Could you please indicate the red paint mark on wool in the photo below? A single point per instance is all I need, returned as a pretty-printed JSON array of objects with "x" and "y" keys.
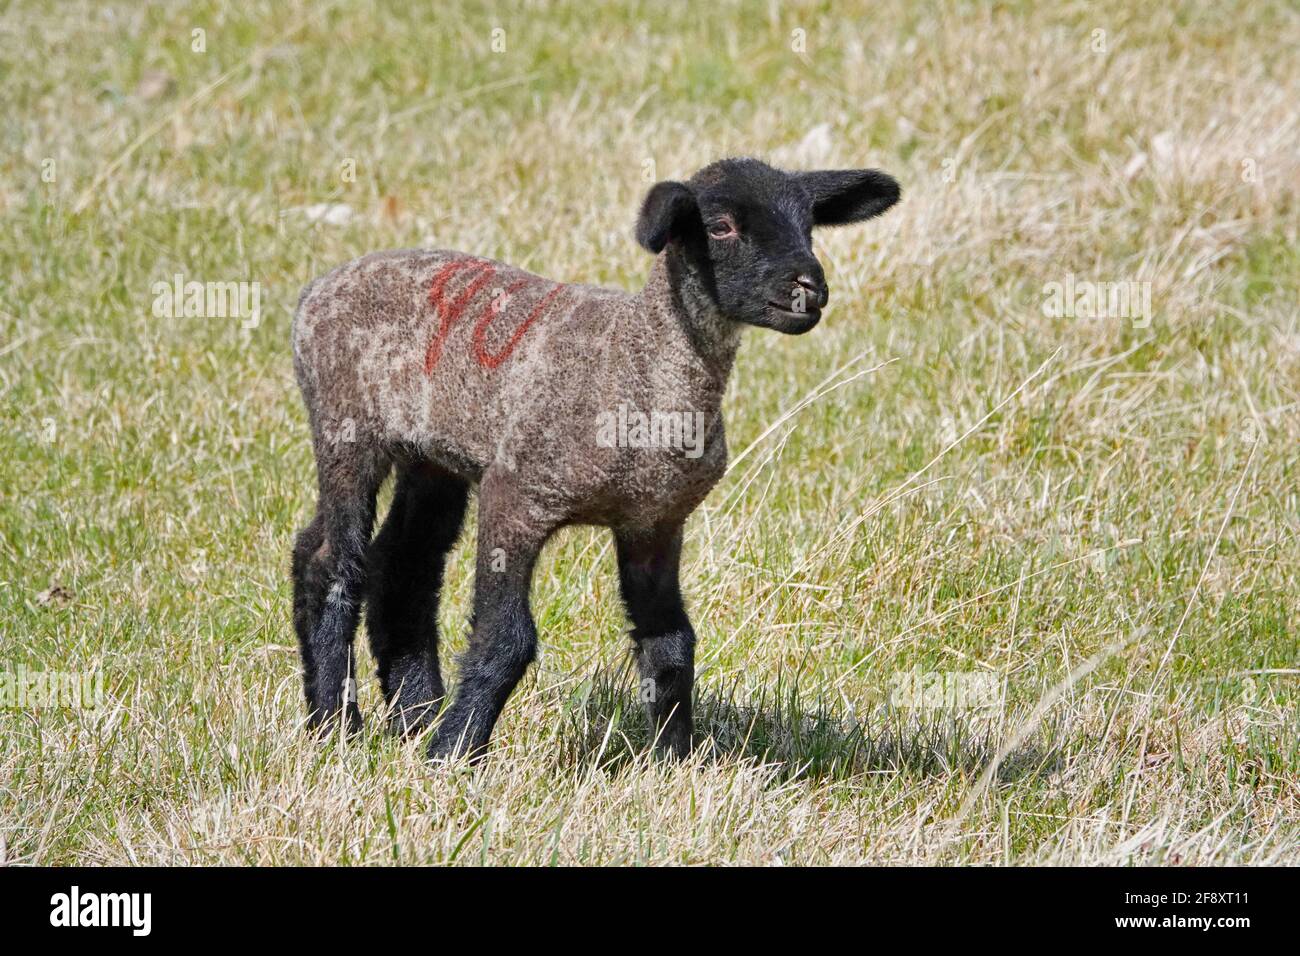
[
  {"x": 491, "y": 360},
  {"x": 450, "y": 313}
]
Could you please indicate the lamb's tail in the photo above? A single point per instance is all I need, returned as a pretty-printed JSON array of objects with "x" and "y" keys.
[
  {"x": 303, "y": 295},
  {"x": 295, "y": 336}
]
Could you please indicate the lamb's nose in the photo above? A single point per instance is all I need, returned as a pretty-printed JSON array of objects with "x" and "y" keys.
[{"x": 815, "y": 285}]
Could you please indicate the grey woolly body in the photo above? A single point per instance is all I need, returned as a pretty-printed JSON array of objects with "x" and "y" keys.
[
  {"x": 460, "y": 374},
  {"x": 361, "y": 336}
]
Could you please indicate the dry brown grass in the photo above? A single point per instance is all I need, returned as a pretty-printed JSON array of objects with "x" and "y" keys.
[{"x": 934, "y": 503}]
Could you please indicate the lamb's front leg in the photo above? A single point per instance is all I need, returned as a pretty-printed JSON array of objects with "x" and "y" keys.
[
  {"x": 648, "y": 563},
  {"x": 503, "y": 640}
]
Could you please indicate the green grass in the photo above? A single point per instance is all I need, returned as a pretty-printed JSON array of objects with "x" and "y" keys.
[{"x": 1007, "y": 494}]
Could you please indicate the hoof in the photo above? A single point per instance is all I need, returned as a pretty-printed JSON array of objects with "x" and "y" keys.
[
  {"x": 348, "y": 719},
  {"x": 414, "y": 720}
]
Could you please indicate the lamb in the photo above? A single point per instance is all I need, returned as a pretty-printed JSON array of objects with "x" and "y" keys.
[{"x": 459, "y": 372}]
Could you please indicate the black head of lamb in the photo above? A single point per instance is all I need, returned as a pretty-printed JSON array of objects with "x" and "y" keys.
[{"x": 745, "y": 228}]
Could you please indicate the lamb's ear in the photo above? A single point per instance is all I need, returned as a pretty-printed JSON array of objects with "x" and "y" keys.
[
  {"x": 669, "y": 209},
  {"x": 849, "y": 195}
]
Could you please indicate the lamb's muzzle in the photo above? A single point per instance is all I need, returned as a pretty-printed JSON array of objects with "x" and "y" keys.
[{"x": 562, "y": 404}]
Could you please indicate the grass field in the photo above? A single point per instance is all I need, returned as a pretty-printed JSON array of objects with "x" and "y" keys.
[{"x": 985, "y": 584}]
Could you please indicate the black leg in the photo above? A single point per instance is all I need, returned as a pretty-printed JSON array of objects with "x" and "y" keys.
[
  {"x": 664, "y": 642},
  {"x": 503, "y": 641},
  {"x": 329, "y": 584},
  {"x": 406, "y": 565}
]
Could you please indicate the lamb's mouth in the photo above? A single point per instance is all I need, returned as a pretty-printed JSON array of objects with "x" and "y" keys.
[{"x": 793, "y": 322}]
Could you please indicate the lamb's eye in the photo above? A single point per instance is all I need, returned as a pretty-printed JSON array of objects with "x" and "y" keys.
[{"x": 722, "y": 229}]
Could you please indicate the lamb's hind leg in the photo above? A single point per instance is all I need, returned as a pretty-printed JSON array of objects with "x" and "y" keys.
[
  {"x": 664, "y": 641},
  {"x": 329, "y": 584},
  {"x": 405, "y": 577}
]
